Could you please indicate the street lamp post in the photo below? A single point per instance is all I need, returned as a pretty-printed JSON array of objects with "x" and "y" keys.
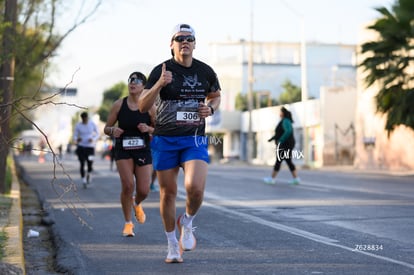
[
  {"x": 304, "y": 81},
  {"x": 304, "y": 90},
  {"x": 250, "y": 90}
]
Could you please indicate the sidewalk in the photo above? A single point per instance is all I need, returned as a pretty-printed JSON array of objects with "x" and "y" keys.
[
  {"x": 331, "y": 168},
  {"x": 356, "y": 170},
  {"x": 13, "y": 261}
]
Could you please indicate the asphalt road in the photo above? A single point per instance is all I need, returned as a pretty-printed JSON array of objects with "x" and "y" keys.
[{"x": 334, "y": 222}]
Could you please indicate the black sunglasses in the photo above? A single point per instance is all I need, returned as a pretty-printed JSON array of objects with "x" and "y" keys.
[
  {"x": 182, "y": 38},
  {"x": 134, "y": 80}
]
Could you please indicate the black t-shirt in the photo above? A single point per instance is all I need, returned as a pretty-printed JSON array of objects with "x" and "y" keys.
[{"x": 177, "y": 104}]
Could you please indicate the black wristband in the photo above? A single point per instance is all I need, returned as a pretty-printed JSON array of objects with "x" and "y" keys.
[{"x": 212, "y": 109}]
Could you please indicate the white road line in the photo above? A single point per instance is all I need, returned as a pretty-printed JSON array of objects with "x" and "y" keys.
[
  {"x": 291, "y": 230},
  {"x": 275, "y": 225},
  {"x": 356, "y": 189}
]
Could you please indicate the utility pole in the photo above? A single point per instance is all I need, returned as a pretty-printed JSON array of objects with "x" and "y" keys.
[
  {"x": 304, "y": 84},
  {"x": 250, "y": 91},
  {"x": 6, "y": 86},
  {"x": 304, "y": 81}
]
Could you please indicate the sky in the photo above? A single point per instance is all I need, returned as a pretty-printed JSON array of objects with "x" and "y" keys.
[{"x": 134, "y": 35}]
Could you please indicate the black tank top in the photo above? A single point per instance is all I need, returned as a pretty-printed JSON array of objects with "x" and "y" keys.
[{"x": 128, "y": 121}]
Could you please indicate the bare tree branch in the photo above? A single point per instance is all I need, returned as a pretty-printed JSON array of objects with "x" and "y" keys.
[
  {"x": 66, "y": 189},
  {"x": 76, "y": 24}
]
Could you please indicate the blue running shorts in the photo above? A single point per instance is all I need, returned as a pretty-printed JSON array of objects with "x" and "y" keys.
[{"x": 169, "y": 152}]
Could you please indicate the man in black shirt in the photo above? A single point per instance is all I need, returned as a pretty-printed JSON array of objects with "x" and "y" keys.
[{"x": 185, "y": 92}]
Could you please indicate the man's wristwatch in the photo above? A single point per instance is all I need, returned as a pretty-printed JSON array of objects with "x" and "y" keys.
[{"x": 212, "y": 109}]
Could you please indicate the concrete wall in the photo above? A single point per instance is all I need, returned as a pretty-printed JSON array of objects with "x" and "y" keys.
[
  {"x": 374, "y": 148},
  {"x": 338, "y": 125}
]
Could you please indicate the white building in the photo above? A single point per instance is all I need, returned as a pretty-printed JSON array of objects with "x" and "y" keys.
[
  {"x": 275, "y": 62},
  {"x": 330, "y": 110}
]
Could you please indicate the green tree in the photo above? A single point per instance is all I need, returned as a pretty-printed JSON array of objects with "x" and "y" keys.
[
  {"x": 29, "y": 37},
  {"x": 241, "y": 101},
  {"x": 389, "y": 63},
  {"x": 7, "y": 64},
  {"x": 109, "y": 96},
  {"x": 291, "y": 93},
  {"x": 37, "y": 39}
]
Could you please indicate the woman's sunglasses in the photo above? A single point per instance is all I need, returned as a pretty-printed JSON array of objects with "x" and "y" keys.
[{"x": 134, "y": 80}]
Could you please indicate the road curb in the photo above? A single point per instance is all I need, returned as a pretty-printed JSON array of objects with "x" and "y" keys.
[{"x": 14, "y": 246}]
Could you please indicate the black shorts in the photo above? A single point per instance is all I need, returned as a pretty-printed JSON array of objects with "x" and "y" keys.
[
  {"x": 141, "y": 157},
  {"x": 85, "y": 153}
]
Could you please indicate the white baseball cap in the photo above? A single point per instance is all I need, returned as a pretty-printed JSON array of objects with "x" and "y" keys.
[{"x": 183, "y": 28}]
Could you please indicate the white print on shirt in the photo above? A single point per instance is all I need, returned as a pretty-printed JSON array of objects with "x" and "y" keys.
[{"x": 191, "y": 81}]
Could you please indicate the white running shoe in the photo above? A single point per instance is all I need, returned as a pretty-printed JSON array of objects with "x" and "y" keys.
[
  {"x": 187, "y": 240},
  {"x": 269, "y": 180},
  {"x": 174, "y": 253}
]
